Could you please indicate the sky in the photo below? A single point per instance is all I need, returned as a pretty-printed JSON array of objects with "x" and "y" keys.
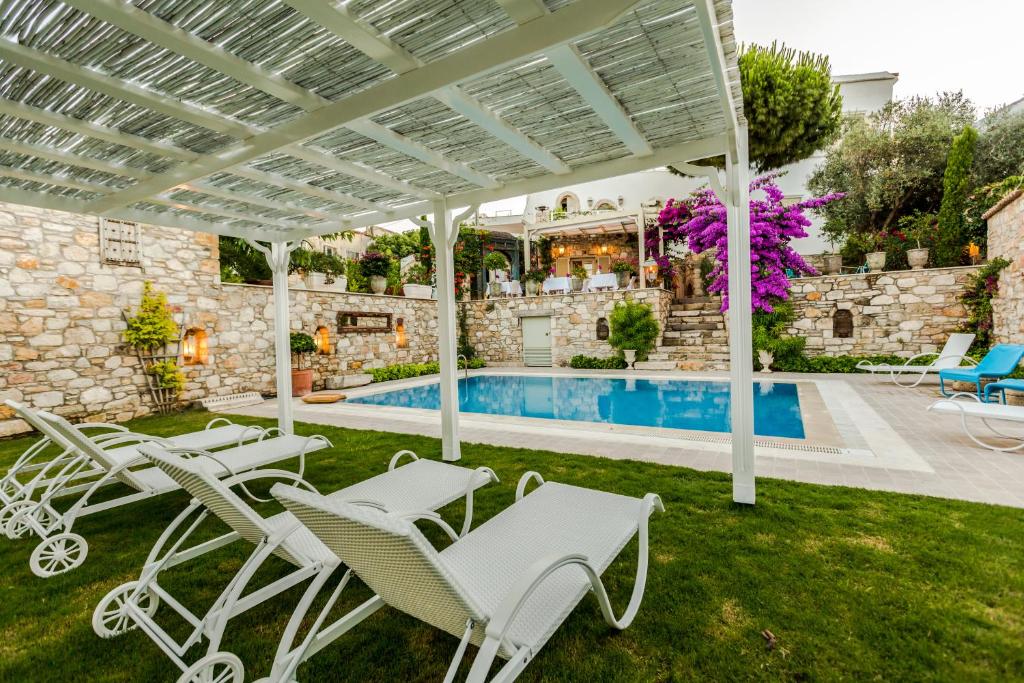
[{"x": 933, "y": 45}]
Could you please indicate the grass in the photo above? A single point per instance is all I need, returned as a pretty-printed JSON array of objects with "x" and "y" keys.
[{"x": 853, "y": 584}]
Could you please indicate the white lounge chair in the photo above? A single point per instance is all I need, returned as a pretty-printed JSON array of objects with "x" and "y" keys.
[
  {"x": 27, "y": 476},
  {"x": 423, "y": 484},
  {"x": 953, "y": 353},
  {"x": 60, "y": 550},
  {"x": 507, "y": 585},
  {"x": 969, "y": 405}
]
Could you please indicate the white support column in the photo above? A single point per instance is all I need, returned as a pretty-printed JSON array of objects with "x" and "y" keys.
[
  {"x": 444, "y": 233},
  {"x": 741, "y": 368},
  {"x": 278, "y": 256},
  {"x": 642, "y": 257},
  {"x": 526, "y": 255}
]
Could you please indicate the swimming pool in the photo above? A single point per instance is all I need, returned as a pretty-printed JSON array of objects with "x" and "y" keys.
[{"x": 676, "y": 404}]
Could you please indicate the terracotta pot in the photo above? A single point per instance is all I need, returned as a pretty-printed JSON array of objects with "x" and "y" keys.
[
  {"x": 302, "y": 382},
  {"x": 917, "y": 258},
  {"x": 833, "y": 263},
  {"x": 876, "y": 261},
  {"x": 378, "y": 284}
]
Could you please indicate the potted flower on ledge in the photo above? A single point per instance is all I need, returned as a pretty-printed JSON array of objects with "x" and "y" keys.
[
  {"x": 534, "y": 281},
  {"x": 495, "y": 262},
  {"x": 302, "y": 379},
  {"x": 375, "y": 267},
  {"x": 920, "y": 226},
  {"x": 579, "y": 276},
  {"x": 623, "y": 270},
  {"x": 417, "y": 282}
]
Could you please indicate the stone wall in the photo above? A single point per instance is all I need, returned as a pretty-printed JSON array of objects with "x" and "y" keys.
[
  {"x": 495, "y": 331},
  {"x": 61, "y": 320},
  {"x": 1006, "y": 239},
  {"x": 896, "y": 312}
]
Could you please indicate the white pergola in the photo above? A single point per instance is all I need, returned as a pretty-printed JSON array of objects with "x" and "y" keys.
[{"x": 277, "y": 120}]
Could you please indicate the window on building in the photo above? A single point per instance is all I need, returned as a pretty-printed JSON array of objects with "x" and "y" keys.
[{"x": 119, "y": 242}]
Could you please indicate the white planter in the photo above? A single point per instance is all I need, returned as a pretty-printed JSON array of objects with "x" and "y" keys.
[
  {"x": 833, "y": 263},
  {"x": 917, "y": 258},
  {"x": 494, "y": 289},
  {"x": 340, "y": 284},
  {"x": 766, "y": 359},
  {"x": 316, "y": 280},
  {"x": 630, "y": 356},
  {"x": 532, "y": 288},
  {"x": 378, "y": 284},
  {"x": 576, "y": 284},
  {"x": 412, "y": 291},
  {"x": 876, "y": 261}
]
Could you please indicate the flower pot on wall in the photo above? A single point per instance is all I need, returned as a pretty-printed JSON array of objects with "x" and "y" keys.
[
  {"x": 833, "y": 263},
  {"x": 302, "y": 382},
  {"x": 316, "y": 280},
  {"x": 876, "y": 261},
  {"x": 532, "y": 288},
  {"x": 413, "y": 291},
  {"x": 765, "y": 358},
  {"x": 340, "y": 284},
  {"x": 622, "y": 279},
  {"x": 630, "y": 356},
  {"x": 378, "y": 284},
  {"x": 917, "y": 258},
  {"x": 494, "y": 289},
  {"x": 577, "y": 284}
]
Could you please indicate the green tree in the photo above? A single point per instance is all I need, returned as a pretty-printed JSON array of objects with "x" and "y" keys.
[
  {"x": 399, "y": 245},
  {"x": 889, "y": 164},
  {"x": 956, "y": 184},
  {"x": 633, "y": 327},
  {"x": 1000, "y": 149},
  {"x": 791, "y": 105}
]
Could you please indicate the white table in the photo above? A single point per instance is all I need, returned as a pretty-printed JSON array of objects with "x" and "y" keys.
[
  {"x": 557, "y": 284},
  {"x": 601, "y": 281},
  {"x": 512, "y": 288}
]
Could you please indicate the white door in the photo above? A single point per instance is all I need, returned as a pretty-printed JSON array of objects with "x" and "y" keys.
[{"x": 537, "y": 342}]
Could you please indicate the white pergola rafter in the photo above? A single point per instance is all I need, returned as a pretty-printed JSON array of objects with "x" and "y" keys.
[
  {"x": 567, "y": 60},
  {"x": 63, "y": 157}
]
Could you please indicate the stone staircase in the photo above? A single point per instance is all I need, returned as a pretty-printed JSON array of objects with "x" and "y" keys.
[{"x": 695, "y": 337}]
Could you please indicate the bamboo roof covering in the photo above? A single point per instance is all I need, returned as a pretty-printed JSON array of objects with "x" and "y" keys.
[{"x": 282, "y": 119}]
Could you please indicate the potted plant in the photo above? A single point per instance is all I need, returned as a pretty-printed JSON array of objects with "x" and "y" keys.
[
  {"x": 417, "y": 282},
  {"x": 579, "y": 276},
  {"x": 832, "y": 262},
  {"x": 623, "y": 270},
  {"x": 375, "y": 267},
  {"x": 875, "y": 258},
  {"x": 494, "y": 262},
  {"x": 534, "y": 281},
  {"x": 918, "y": 227},
  {"x": 302, "y": 379},
  {"x": 634, "y": 331}
]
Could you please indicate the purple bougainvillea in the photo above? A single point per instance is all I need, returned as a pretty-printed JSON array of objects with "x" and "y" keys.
[{"x": 700, "y": 223}]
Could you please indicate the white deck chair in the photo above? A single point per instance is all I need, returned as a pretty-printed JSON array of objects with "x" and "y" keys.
[
  {"x": 953, "y": 353},
  {"x": 969, "y": 405},
  {"x": 27, "y": 476},
  {"x": 424, "y": 484},
  {"x": 506, "y": 586},
  {"x": 60, "y": 550}
]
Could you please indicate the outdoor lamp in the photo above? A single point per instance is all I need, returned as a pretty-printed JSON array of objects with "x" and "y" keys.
[
  {"x": 400, "y": 339},
  {"x": 322, "y": 338},
  {"x": 561, "y": 250},
  {"x": 188, "y": 347},
  {"x": 194, "y": 350}
]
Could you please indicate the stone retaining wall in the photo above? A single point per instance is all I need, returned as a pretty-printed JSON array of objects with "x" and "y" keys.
[
  {"x": 1006, "y": 239},
  {"x": 896, "y": 312}
]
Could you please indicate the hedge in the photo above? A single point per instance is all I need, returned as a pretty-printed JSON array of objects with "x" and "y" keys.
[
  {"x": 592, "y": 363},
  {"x": 392, "y": 372}
]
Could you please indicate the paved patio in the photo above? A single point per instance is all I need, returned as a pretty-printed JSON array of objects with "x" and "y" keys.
[{"x": 887, "y": 440}]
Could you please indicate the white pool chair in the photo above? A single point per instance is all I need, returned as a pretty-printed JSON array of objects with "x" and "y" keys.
[
  {"x": 952, "y": 355},
  {"x": 968, "y": 405},
  {"x": 506, "y": 586},
  {"x": 60, "y": 550},
  {"x": 26, "y": 475},
  {"x": 424, "y": 484}
]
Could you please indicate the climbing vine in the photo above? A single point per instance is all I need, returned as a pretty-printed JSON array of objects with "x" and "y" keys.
[{"x": 981, "y": 288}]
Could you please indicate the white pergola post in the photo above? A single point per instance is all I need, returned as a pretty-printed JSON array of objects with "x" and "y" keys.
[
  {"x": 526, "y": 254},
  {"x": 741, "y": 368},
  {"x": 278, "y": 256},
  {"x": 444, "y": 233},
  {"x": 642, "y": 257}
]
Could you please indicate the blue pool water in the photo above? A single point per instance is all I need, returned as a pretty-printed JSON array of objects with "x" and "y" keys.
[{"x": 676, "y": 404}]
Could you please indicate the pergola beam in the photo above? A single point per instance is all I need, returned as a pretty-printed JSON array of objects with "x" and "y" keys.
[
  {"x": 350, "y": 168},
  {"x": 481, "y": 57},
  {"x": 285, "y": 183},
  {"x": 63, "y": 157}
]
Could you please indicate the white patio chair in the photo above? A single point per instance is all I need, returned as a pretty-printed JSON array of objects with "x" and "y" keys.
[
  {"x": 506, "y": 586},
  {"x": 422, "y": 484},
  {"x": 60, "y": 550},
  {"x": 27, "y": 476},
  {"x": 953, "y": 353},
  {"x": 968, "y": 405}
]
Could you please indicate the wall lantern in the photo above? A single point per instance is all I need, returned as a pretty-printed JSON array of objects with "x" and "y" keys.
[
  {"x": 974, "y": 251},
  {"x": 561, "y": 250},
  {"x": 194, "y": 347},
  {"x": 400, "y": 339},
  {"x": 602, "y": 329},
  {"x": 651, "y": 269},
  {"x": 604, "y": 248},
  {"x": 322, "y": 338}
]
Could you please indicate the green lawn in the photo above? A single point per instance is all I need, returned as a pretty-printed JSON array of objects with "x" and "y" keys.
[{"x": 854, "y": 584}]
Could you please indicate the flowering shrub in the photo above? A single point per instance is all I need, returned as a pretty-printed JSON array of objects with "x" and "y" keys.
[
  {"x": 982, "y": 286},
  {"x": 700, "y": 221},
  {"x": 375, "y": 264}
]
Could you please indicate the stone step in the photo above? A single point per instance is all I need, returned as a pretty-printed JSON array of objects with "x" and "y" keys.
[
  {"x": 689, "y": 327},
  {"x": 655, "y": 365}
]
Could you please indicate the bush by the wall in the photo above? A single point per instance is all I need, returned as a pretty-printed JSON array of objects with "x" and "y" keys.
[
  {"x": 591, "y": 363},
  {"x": 633, "y": 327},
  {"x": 407, "y": 370}
]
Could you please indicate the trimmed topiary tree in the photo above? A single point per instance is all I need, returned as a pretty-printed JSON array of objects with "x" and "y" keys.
[
  {"x": 153, "y": 325},
  {"x": 955, "y": 186},
  {"x": 633, "y": 327}
]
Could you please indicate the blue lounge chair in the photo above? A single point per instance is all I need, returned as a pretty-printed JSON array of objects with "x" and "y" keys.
[
  {"x": 1001, "y": 386},
  {"x": 997, "y": 363}
]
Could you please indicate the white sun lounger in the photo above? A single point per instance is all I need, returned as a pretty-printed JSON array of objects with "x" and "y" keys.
[
  {"x": 61, "y": 550},
  {"x": 423, "y": 484},
  {"x": 26, "y": 475},
  {"x": 951, "y": 356},
  {"x": 967, "y": 405},
  {"x": 506, "y": 586}
]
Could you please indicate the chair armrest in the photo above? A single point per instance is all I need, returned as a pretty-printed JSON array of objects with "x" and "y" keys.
[
  {"x": 416, "y": 515},
  {"x": 398, "y": 456},
  {"x": 525, "y": 480},
  {"x": 83, "y": 426},
  {"x": 255, "y": 475}
]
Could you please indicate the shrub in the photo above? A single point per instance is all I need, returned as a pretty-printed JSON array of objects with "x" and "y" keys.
[
  {"x": 768, "y": 334},
  {"x": 375, "y": 264},
  {"x": 591, "y": 363},
  {"x": 535, "y": 275},
  {"x": 417, "y": 275},
  {"x": 623, "y": 266},
  {"x": 955, "y": 186},
  {"x": 301, "y": 344},
  {"x": 579, "y": 272},
  {"x": 495, "y": 261},
  {"x": 982, "y": 286},
  {"x": 409, "y": 370},
  {"x": 633, "y": 327},
  {"x": 168, "y": 375},
  {"x": 839, "y": 364},
  {"x": 152, "y": 326}
]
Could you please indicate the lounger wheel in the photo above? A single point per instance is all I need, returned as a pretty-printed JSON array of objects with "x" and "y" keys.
[
  {"x": 110, "y": 618},
  {"x": 58, "y": 554},
  {"x": 220, "y": 667},
  {"x": 14, "y": 518}
]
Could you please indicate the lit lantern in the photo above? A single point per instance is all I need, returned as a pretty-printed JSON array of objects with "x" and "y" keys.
[
  {"x": 561, "y": 250},
  {"x": 322, "y": 338},
  {"x": 974, "y": 251},
  {"x": 400, "y": 339},
  {"x": 604, "y": 248},
  {"x": 194, "y": 349},
  {"x": 651, "y": 269}
]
